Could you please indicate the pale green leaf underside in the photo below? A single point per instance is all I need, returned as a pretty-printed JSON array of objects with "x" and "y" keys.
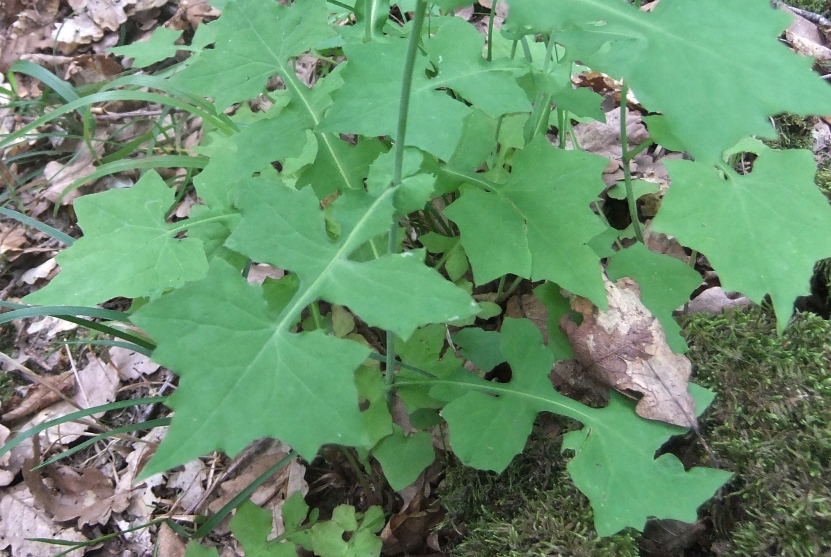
[
  {"x": 615, "y": 463},
  {"x": 715, "y": 68},
  {"x": 539, "y": 223},
  {"x": 127, "y": 250},
  {"x": 762, "y": 232}
]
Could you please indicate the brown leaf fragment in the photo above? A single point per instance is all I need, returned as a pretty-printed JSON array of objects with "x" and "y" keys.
[
  {"x": 626, "y": 348},
  {"x": 408, "y": 529},
  {"x": 88, "y": 496},
  {"x": 23, "y": 518},
  {"x": 169, "y": 543},
  {"x": 39, "y": 396}
]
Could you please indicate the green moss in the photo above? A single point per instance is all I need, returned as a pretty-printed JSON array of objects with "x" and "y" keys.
[
  {"x": 530, "y": 509},
  {"x": 771, "y": 424}
]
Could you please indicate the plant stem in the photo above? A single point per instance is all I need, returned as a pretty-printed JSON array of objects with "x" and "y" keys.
[
  {"x": 368, "y": 31},
  {"x": 490, "y": 30},
  {"x": 507, "y": 294},
  {"x": 626, "y": 156},
  {"x": 398, "y": 155},
  {"x": 314, "y": 309}
]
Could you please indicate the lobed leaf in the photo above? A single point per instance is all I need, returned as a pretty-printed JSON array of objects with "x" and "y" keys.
[
  {"x": 680, "y": 60},
  {"x": 127, "y": 249},
  {"x": 369, "y": 100},
  {"x": 762, "y": 232},
  {"x": 253, "y": 41},
  {"x": 615, "y": 464},
  {"x": 539, "y": 223}
]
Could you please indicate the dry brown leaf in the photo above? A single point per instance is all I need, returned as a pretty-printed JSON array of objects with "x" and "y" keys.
[
  {"x": 191, "y": 14},
  {"x": 529, "y": 306},
  {"x": 42, "y": 271},
  {"x": 30, "y": 30},
  {"x": 715, "y": 300},
  {"x": 274, "y": 486},
  {"x": 6, "y": 475},
  {"x": 604, "y": 138},
  {"x": 22, "y": 517},
  {"x": 88, "y": 496},
  {"x": 191, "y": 481},
  {"x": 97, "y": 385},
  {"x": 61, "y": 176},
  {"x": 131, "y": 365},
  {"x": 626, "y": 347},
  {"x": 12, "y": 240},
  {"x": 38, "y": 396},
  {"x": 169, "y": 543},
  {"x": 407, "y": 530}
]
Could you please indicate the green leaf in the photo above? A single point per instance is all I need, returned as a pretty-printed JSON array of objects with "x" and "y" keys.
[
  {"x": 251, "y": 526},
  {"x": 328, "y": 537},
  {"x": 244, "y": 376},
  {"x": 480, "y": 347},
  {"x": 762, "y": 232},
  {"x": 277, "y": 136},
  {"x": 404, "y": 458},
  {"x": 396, "y": 291},
  {"x": 436, "y": 120},
  {"x": 127, "y": 250},
  {"x": 155, "y": 49},
  {"x": 254, "y": 41},
  {"x": 376, "y": 417},
  {"x": 679, "y": 60},
  {"x": 615, "y": 463},
  {"x": 614, "y": 466},
  {"x": 537, "y": 221},
  {"x": 194, "y": 549},
  {"x": 665, "y": 284}
]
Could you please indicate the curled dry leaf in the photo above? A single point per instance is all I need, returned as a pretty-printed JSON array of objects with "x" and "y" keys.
[
  {"x": 39, "y": 396},
  {"x": 88, "y": 496},
  {"x": 627, "y": 348}
]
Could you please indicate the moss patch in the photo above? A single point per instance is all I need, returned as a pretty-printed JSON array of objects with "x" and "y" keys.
[
  {"x": 532, "y": 508},
  {"x": 771, "y": 424}
]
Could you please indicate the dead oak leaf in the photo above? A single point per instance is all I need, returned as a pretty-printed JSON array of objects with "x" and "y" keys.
[
  {"x": 88, "y": 496},
  {"x": 626, "y": 348}
]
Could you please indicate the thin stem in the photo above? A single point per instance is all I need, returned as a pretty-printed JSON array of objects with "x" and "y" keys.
[
  {"x": 368, "y": 21},
  {"x": 627, "y": 173},
  {"x": 490, "y": 30},
  {"x": 398, "y": 155},
  {"x": 507, "y": 294},
  {"x": 314, "y": 309}
]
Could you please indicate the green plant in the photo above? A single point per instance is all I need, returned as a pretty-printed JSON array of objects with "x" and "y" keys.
[{"x": 323, "y": 183}]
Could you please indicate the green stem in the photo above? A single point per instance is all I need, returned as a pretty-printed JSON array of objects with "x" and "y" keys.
[
  {"x": 398, "y": 154},
  {"x": 368, "y": 21},
  {"x": 314, "y": 309},
  {"x": 490, "y": 30},
  {"x": 627, "y": 173},
  {"x": 507, "y": 294}
]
